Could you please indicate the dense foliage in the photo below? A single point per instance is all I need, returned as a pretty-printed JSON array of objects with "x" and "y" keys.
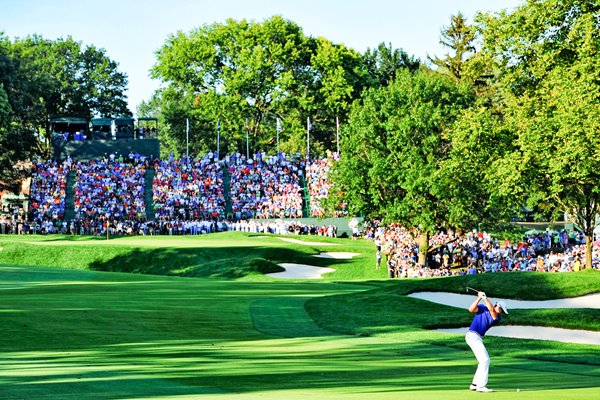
[
  {"x": 549, "y": 58},
  {"x": 40, "y": 78},
  {"x": 249, "y": 75},
  {"x": 394, "y": 146}
]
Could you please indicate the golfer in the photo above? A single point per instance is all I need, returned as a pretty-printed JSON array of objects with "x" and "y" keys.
[{"x": 485, "y": 317}]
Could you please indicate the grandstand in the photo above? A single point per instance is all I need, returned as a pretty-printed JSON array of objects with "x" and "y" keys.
[
  {"x": 103, "y": 136},
  {"x": 106, "y": 172},
  {"x": 96, "y": 149}
]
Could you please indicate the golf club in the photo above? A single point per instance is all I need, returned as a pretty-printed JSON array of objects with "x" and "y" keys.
[{"x": 471, "y": 289}]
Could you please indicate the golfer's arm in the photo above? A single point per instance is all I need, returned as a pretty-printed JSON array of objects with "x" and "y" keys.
[
  {"x": 473, "y": 306},
  {"x": 490, "y": 307}
]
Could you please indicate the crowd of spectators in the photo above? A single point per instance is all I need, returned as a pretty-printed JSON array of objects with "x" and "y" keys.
[
  {"x": 189, "y": 199},
  {"x": 477, "y": 252},
  {"x": 283, "y": 227},
  {"x": 188, "y": 195},
  {"x": 48, "y": 193},
  {"x": 266, "y": 186},
  {"x": 109, "y": 191},
  {"x": 13, "y": 219},
  {"x": 79, "y": 135},
  {"x": 319, "y": 184},
  {"x": 188, "y": 190}
]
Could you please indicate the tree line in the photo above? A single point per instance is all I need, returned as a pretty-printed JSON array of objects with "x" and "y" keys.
[{"x": 265, "y": 80}]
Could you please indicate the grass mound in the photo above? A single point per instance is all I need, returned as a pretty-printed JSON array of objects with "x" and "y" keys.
[
  {"x": 230, "y": 256},
  {"x": 226, "y": 255}
]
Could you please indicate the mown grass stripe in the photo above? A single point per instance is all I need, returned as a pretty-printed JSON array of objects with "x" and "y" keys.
[{"x": 285, "y": 317}]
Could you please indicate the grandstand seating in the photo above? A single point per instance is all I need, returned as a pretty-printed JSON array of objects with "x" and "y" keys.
[{"x": 234, "y": 188}]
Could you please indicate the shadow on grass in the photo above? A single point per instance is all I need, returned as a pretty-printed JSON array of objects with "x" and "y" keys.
[
  {"x": 319, "y": 366},
  {"x": 227, "y": 262}
]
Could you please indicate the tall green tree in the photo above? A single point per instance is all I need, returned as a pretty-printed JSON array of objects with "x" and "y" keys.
[
  {"x": 549, "y": 54},
  {"x": 15, "y": 146},
  {"x": 260, "y": 72},
  {"x": 340, "y": 78},
  {"x": 384, "y": 62},
  {"x": 64, "y": 78},
  {"x": 463, "y": 62},
  {"x": 459, "y": 37},
  {"x": 393, "y": 147},
  {"x": 258, "y": 68},
  {"x": 477, "y": 140},
  {"x": 19, "y": 108}
]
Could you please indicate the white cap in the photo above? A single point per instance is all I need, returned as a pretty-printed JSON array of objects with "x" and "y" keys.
[{"x": 502, "y": 306}]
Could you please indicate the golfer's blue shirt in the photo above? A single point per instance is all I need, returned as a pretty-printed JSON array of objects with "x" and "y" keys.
[{"x": 483, "y": 320}]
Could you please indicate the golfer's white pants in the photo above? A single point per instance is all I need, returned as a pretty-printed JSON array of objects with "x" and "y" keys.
[{"x": 476, "y": 344}]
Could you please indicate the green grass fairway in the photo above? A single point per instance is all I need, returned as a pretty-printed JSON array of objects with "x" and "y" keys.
[{"x": 183, "y": 327}]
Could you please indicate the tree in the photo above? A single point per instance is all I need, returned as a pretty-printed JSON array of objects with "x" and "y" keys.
[
  {"x": 260, "y": 72},
  {"x": 13, "y": 147},
  {"x": 62, "y": 78},
  {"x": 477, "y": 140},
  {"x": 18, "y": 107},
  {"x": 259, "y": 69},
  {"x": 549, "y": 55},
  {"x": 465, "y": 63},
  {"x": 384, "y": 62},
  {"x": 459, "y": 37},
  {"x": 393, "y": 147},
  {"x": 100, "y": 84}
]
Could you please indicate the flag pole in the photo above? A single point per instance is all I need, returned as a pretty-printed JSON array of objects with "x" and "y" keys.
[
  {"x": 278, "y": 128},
  {"x": 337, "y": 134},
  {"x": 218, "y": 136},
  {"x": 307, "y": 137},
  {"x": 247, "y": 145},
  {"x": 187, "y": 139}
]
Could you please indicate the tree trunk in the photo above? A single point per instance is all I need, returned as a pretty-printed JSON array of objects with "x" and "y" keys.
[
  {"x": 589, "y": 242},
  {"x": 423, "y": 242},
  {"x": 588, "y": 226}
]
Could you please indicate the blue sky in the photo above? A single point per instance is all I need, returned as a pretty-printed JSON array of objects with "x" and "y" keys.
[{"x": 132, "y": 30}]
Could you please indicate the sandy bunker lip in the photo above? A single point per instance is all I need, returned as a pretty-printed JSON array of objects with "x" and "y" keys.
[
  {"x": 537, "y": 333},
  {"x": 304, "y": 271},
  {"x": 464, "y": 300},
  {"x": 338, "y": 255},
  {"x": 300, "y": 271},
  {"x": 522, "y": 331},
  {"x": 296, "y": 241}
]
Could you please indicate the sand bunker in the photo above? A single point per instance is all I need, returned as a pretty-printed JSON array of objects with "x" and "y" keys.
[
  {"x": 338, "y": 255},
  {"x": 520, "y": 331},
  {"x": 538, "y": 333},
  {"x": 300, "y": 271},
  {"x": 303, "y": 271},
  {"x": 308, "y": 243},
  {"x": 464, "y": 300}
]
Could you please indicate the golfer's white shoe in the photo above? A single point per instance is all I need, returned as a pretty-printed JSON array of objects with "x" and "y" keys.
[
  {"x": 484, "y": 389},
  {"x": 473, "y": 387}
]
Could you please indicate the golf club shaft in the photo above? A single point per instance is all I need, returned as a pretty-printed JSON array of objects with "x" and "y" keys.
[{"x": 473, "y": 290}]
